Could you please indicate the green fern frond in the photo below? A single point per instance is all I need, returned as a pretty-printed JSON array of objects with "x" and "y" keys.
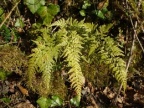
[
  {"x": 32, "y": 67},
  {"x": 74, "y": 40},
  {"x": 108, "y": 51},
  {"x": 72, "y": 43},
  {"x": 72, "y": 22},
  {"x": 111, "y": 55},
  {"x": 72, "y": 53},
  {"x": 60, "y": 23},
  {"x": 42, "y": 61},
  {"x": 89, "y": 27},
  {"x": 103, "y": 30}
]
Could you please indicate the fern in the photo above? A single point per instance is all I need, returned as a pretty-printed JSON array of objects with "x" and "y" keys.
[
  {"x": 42, "y": 61},
  {"x": 72, "y": 53},
  {"x": 74, "y": 41},
  {"x": 109, "y": 53}
]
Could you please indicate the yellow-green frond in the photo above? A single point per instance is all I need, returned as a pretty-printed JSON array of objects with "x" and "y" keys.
[
  {"x": 41, "y": 62},
  {"x": 72, "y": 53}
]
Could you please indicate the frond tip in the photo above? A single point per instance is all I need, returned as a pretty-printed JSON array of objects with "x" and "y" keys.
[
  {"x": 72, "y": 53},
  {"x": 71, "y": 39},
  {"x": 111, "y": 55},
  {"x": 41, "y": 62}
]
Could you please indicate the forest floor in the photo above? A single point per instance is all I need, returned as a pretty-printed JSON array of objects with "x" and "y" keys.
[{"x": 14, "y": 94}]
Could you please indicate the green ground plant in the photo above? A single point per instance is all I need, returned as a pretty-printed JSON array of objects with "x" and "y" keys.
[
  {"x": 12, "y": 59},
  {"x": 70, "y": 50},
  {"x": 74, "y": 41}
]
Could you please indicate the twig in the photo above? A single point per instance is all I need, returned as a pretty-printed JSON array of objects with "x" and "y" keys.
[
  {"x": 131, "y": 50},
  {"x": 6, "y": 104},
  {"x": 140, "y": 43},
  {"x": 135, "y": 37},
  {"x": 9, "y": 14},
  {"x": 128, "y": 63}
]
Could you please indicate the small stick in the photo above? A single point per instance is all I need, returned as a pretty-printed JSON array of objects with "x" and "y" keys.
[
  {"x": 131, "y": 51},
  {"x": 9, "y": 13}
]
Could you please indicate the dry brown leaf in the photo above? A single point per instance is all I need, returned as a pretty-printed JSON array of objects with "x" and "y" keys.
[
  {"x": 26, "y": 104},
  {"x": 23, "y": 90}
]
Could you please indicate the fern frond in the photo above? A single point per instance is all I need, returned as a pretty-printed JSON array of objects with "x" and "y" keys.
[
  {"x": 42, "y": 61},
  {"x": 89, "y": 27},
  {"x": 72, "y": 53},
  {"x": 108, "y": 51},
  {"x": 60, "y": 23},
  {"x": 103, "y": 30},
  {"x": 74, "y": 40},
  {"x": 71, "y": 37},
  {"x": 111, "y": 55}
]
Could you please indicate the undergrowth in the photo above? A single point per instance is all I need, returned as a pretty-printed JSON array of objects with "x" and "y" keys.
[{"x": 73, "y": 41}]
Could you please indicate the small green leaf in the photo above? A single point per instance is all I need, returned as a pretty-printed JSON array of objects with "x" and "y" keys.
[
  {"x": 86, "y": 4},
  {"x": 82, "y": 13},
  {"x": 6, "y": 100},
  {"x": 48, "y": 13},
  {"x": 43, "y": 102},
  {"x": 100, "y": 14},
  {"x": 19, "y": 23},
  {"x": 75, "y": 101},
  {"x": 2, "y": 75},
  {"x": 53, "y": 9},
  {"x": 84, "y": 58},
  {"x": 104, "y": 10},
  {"x": 42, "y": 11},
  {"x": 6, "y": 33},
  {"x": 34, "y": 5},
  {"x": 1, "y": 11},
  {"x": 47, "y": 19},
  {"x": 56, "y": 101}
]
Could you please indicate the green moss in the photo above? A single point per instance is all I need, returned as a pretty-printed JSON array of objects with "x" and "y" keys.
[
  {"x": 3, "y": 74},
  {"x": 97, "y": 74},
  {"x": 58, "y": 86},
  {"x": 12, "y": 59}
]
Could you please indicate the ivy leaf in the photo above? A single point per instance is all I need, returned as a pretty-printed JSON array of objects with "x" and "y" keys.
[
  {"x": 75, "y": 101},
  {"x": 42, "y": 11},
  {"x": 43, "y": 102},
  {"x": 104, "y": 10},
  {"x": 34, "y": 5},
  {"x": 56, "y": 101},
  {"x": 6, "y": 33},
  {"x": 53, "y": 9},
  {"x": 47, "y": 13},
  {"x": 19, "y": 23},
  {"x": 99, "y": 14},
  {"x": 48, "y": 19},
  {"x": 45, "y": 16}
]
